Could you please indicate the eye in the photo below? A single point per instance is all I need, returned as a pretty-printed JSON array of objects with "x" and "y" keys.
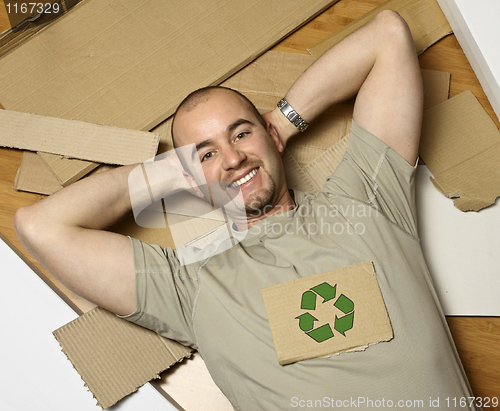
[
  {"x": 207, "y": 156},
  {"x": 239, "y": 136}
]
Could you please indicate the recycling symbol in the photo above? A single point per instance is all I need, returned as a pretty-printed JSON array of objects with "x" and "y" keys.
[{"x": 328, "y": 293}]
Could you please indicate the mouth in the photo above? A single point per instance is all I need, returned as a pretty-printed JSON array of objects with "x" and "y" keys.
[{"x": 244, "y": 179}]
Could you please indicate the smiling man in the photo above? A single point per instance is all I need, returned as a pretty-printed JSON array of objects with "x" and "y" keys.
[
  {"x": 234, "y": 144},
  {"x": 215, "y": 304}
]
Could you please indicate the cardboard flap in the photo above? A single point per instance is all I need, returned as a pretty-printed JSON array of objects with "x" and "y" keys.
[
  {"x": 113, "y": 356},
  {"x": 34, "y": 176},
  {"x": 76, "y": 139},
  {"x": 460, "y": 144},
  {"x": 425, "y": 19},
  {"x": 66, "y": 170},
  {"x": 327, "y": 313}
]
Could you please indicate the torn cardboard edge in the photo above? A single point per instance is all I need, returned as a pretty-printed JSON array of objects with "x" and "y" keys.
[
  {"x": 298, "y": 312},
  {"x": 460, "y": 145},
  {"x": 115, "y": 357},
  {"x": 76, "y": 139},
  {"x": 425, "y": 19}
]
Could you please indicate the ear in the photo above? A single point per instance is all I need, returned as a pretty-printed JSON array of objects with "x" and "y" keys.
[{"x": 273, "y": 132}]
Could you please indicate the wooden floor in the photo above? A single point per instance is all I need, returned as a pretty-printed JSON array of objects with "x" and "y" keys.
[{"x": 477, "y": 338}]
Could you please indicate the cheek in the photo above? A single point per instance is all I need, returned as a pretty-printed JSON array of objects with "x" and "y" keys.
[{"x": 211, "y": 171}]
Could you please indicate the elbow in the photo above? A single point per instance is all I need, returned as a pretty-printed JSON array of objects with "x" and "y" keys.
[{"x": 25, "y": 226}]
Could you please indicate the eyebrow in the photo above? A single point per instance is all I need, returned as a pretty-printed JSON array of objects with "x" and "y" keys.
[
  {"x": 229, "y": 128},
  {"x": 237, "y": 123}
]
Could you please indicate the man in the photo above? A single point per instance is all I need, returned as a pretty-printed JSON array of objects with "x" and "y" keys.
[{"x": 215, "y": 304}]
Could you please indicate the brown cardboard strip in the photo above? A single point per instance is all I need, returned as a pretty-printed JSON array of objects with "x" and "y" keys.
[
  {"x": 113, "y": 356},
  {"x": 132, "y": 70},
  {"x": 76, "y": 139},
  {"x": 424, "y": 18},
  {"x": 327, "y": 313},
  {"x": 461, "y": 146}
]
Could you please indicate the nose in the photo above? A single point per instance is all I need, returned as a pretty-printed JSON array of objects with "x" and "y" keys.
[{"x": 232, "y": 157}]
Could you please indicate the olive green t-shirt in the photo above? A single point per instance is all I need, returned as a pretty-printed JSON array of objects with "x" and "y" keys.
[{"x": 364, "y": 212}]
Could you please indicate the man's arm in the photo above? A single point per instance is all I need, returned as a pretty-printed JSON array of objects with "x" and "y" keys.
[
  {"x": 65, "y": 233},
  {"x": 379, "y": 63}
]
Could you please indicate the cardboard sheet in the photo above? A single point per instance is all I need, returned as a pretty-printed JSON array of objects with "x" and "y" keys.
[
  {"x": 35, "y": 374},
  {"x": 424, "y": 17},
  {"x": 461, "y": 146},
  {"x": 461, "y": 251},
  {"x": 129, "y": 64},
  {"x": 327, "y": 313},
  {"x": 76, "y": 139},
  {"x": 113, "y": 356}
]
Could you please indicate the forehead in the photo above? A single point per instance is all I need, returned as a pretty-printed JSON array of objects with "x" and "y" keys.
[{"x": 210, "y": 114}]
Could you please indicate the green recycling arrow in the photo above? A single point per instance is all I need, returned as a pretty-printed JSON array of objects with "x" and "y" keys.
[
  {"x": 308, "y": 301},
  {"x": 321, "y": 334},
  {"x": 344, "y": 304},
  {"x": 306, "y": 321},
  {"x": 324, "y": 332},
  {"x": 344, "y": 323},
  {"x": 326, "y": 291}
]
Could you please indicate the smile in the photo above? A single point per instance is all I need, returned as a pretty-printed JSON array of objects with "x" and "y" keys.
[{"x": 243, "y": 180}]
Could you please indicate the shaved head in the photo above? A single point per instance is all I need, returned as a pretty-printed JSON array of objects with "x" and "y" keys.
[{"x": 202, "y": 95}]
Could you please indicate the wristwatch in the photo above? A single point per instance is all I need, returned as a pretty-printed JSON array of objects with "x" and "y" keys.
[{"x": 292, "y": 115}]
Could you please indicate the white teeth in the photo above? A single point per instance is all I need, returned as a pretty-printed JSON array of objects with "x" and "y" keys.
[{"x": 243, "y": 180}]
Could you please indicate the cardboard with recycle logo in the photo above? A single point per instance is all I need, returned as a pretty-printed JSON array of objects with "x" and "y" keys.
[{"x": 327, "y": 313}]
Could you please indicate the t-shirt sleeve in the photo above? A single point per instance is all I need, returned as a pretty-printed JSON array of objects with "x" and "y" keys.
[
  {"x": 164, "y": 292},
  {"x": 373, "y": 173}
]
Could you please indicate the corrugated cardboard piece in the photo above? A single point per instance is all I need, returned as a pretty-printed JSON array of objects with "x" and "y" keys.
[
  {"x": 113, "y": 356},
  {"x": 76, "y": 139},
  {"x": 327, "y": 313},
  {"x": 129, "y": 64},
  {"x": 461, "y": 146},
  {"x": 424, "y": 18}
]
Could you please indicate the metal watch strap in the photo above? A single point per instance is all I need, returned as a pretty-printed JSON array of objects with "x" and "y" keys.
[{"x": 292, "y": 115}]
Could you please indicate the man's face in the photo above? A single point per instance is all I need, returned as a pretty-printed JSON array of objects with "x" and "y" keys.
[{"x": 233, "y": 146}]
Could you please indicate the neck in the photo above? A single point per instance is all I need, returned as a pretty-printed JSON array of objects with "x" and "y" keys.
[{"x": 285, "y": 203}]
